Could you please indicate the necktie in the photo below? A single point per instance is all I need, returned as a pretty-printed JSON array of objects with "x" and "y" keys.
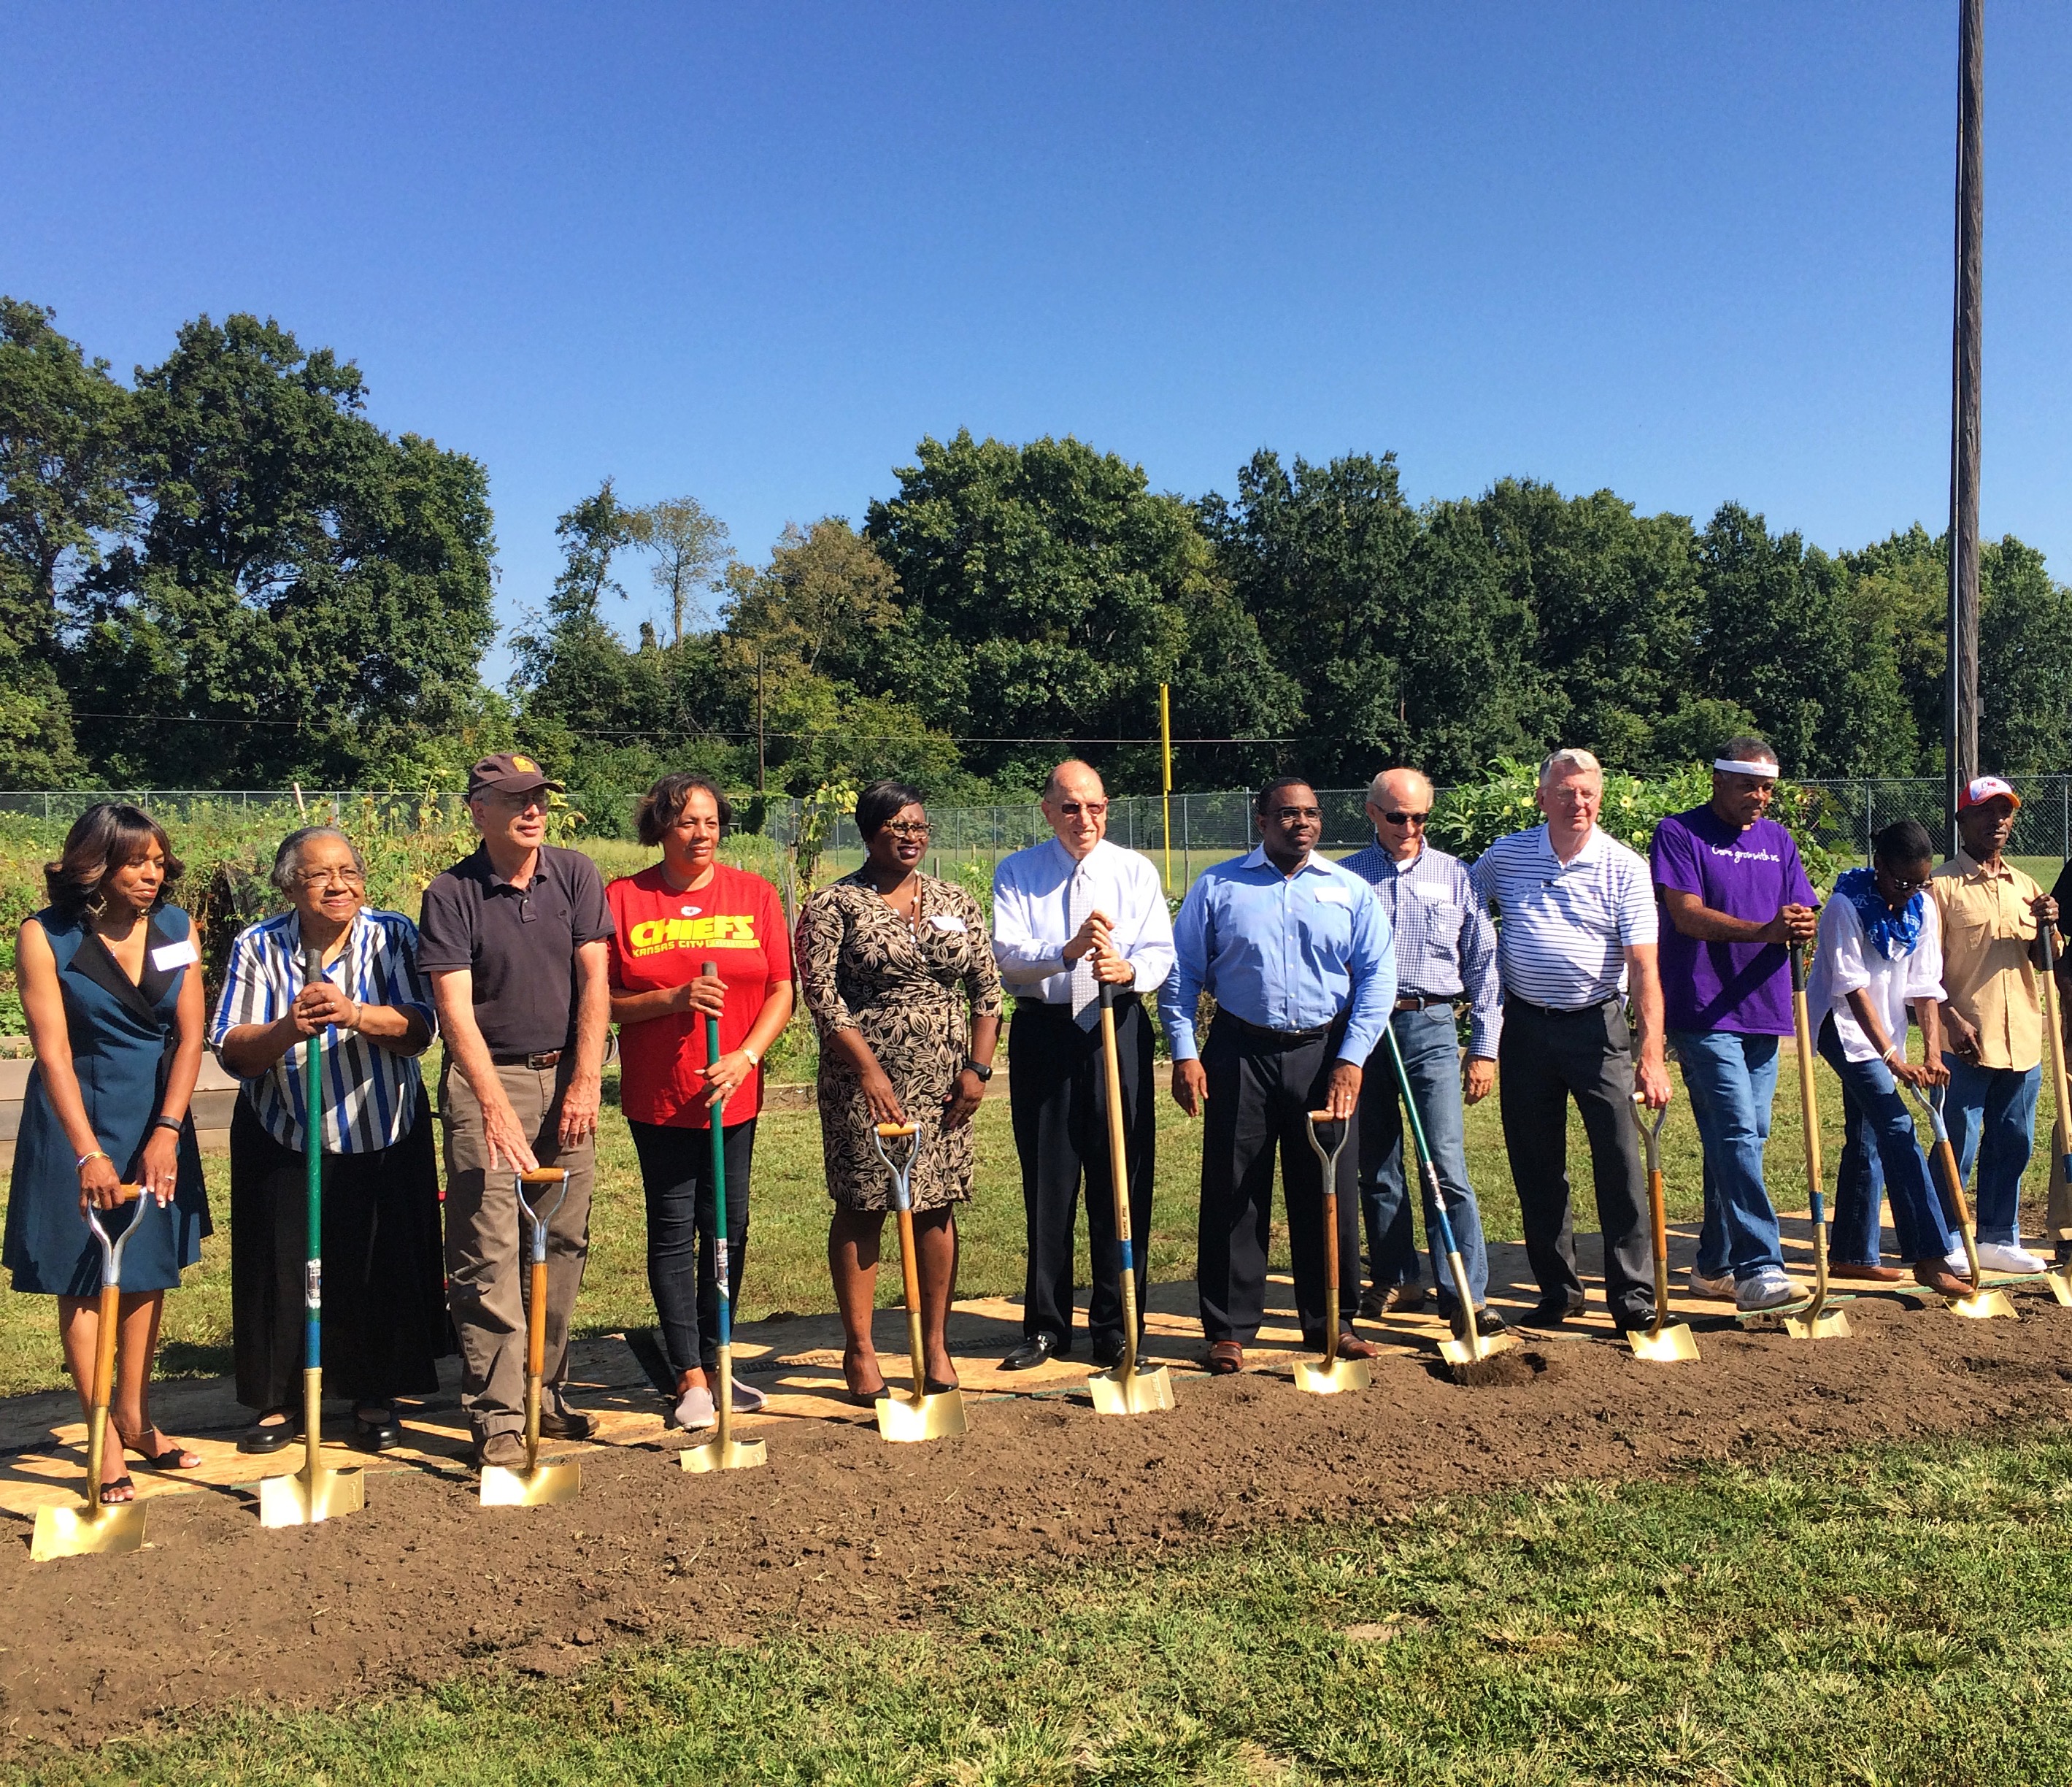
[{"x": 1086, "y": 989}]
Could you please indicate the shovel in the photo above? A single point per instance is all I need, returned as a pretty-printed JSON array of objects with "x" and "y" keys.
[
  {"x": 2060, "y": 1280},
  {"x": 723, "y": 1452},
  {"x": 312, "y": 1493},
  {"x": 95, "y": 1526},
  {"x": 1666, "y": 1341},
  {"x": 1331, "y": 1374},
  {"x": 1982, "y": 1304},
  {"x": 1123, "y": 1390},
  {"x": 1471, "y": 1349},
  {"x": 920, "y": 1416},
  {"x": 538, "y": 1485},
  {"x": 1819, "y": 1320}
]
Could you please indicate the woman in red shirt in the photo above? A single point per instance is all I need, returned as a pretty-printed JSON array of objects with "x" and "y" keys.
[{"x": 690, "y": 908}]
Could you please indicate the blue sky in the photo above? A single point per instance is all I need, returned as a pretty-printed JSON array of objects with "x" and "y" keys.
[{"x": 1689, "y": 252}]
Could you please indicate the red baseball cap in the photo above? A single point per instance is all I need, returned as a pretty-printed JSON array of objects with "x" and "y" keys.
[{"x": 1984, "y": 789}]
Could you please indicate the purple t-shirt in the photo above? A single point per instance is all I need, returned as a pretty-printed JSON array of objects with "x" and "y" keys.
[{"x": 1745, "y": 987}]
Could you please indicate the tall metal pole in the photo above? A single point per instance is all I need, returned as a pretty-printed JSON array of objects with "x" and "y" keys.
[
  {"x": 1960, "y": 726},
  {"x": 759, "y": 785},
  {"x": 1166, "y": 760}
]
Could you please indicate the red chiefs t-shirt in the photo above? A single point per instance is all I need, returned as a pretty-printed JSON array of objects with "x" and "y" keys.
[{"x": 660, "y": 938}]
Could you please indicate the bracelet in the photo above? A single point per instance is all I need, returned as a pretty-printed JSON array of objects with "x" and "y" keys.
[
  {"x": 754, "y": 1059},
  {"x": 98, "y": 1154},
  {"x": 1891, "y": 1049},
  {"x": 176, "y": 1124}
]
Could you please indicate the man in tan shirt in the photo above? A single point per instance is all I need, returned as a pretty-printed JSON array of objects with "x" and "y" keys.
[{"x": 1992, "y": 1015}]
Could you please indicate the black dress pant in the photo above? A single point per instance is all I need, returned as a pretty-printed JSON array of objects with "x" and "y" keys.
[
  {"x": 1544, "y": 1059},
  {"x": 1058, "y": 1092},
  {"x": 676, "y": 1173},
  {"x": 1261, "y": 1090}
]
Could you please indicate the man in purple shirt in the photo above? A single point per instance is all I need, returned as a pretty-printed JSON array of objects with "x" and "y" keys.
[{"x": 1734, "y": 894}]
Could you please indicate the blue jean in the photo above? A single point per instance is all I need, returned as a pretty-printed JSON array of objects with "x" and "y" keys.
[
  {"x": 1432, "y": 1058},
  {"x": 1991, "y": 1115},
  {"x": 1881, "y": 1157},
  {"x": 1732, "y": 1080}
]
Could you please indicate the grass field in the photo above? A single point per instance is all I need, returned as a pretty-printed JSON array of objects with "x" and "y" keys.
[
  {"x": 786, "y": 1263},
  {"x": 1883, "y": 1618}
]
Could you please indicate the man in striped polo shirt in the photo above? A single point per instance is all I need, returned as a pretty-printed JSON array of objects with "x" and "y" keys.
[{"x": 1576, "y": 932}]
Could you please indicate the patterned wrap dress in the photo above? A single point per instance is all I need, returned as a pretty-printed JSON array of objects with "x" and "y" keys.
[{"x": 913, "y": 992}]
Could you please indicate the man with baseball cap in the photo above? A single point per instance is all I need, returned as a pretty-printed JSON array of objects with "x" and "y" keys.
[
  {"x": 514, "y": 938},
  {"x": 1991, "y": 915}
]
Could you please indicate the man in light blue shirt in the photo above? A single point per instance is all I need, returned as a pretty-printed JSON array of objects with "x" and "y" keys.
[{"x": 1299, "y": 957}]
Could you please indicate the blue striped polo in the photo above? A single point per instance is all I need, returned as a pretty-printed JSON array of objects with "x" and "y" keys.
[{"x": 1564, "y": 929}]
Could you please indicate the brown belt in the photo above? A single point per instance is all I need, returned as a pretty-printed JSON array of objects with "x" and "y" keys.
[
  {"x": 1417, "y": 1002},
  {"x": 539, "y": 1064}
]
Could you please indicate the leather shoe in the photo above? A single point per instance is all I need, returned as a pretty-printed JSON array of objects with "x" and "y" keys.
[
  {"x": 1107, "y": 1354},
  {"x": 1351, "y": 1346},
  {"x": 1488, "y": 1323},
  {"x": 1632, "y": 1321},
  {"x": 1226, "y": 1359},
  {"x": 1403, "y": 1300},
  {"x": 1551, "y": 1312},
  {"x": 1032, "y": 1353},
  {"x": 506, "y": 1450},
  {"x": 378, "y": 1435},
  {"x": 270, "y": 1436},
  {"x": 1865, "y": 1275},
  {"x": 1935, "y": 1275},
  {"x": 565, "y": 1424}
]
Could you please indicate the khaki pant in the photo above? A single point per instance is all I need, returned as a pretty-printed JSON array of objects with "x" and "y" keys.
[{"x": 488, "y": 1243}]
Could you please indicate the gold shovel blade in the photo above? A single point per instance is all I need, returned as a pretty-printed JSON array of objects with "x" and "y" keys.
[
  {"x": 725, "y": 1455},
  {"x": 292, "y": 1501},
  {"x": 78, "y": 1531},
  {"x": 903, "y": 1419},
  {"x": 1138, "y": 1393},
  {"x": 2059, "y": 1289},
  {"x": 543, "y": 1486},
  {"x": 1673, "y": 1340},
  {"x": 1458, "y": 1353},
  {"x": 1830, "y": 1324},
  {"x": 1982, "y": 1305},
  {"x": 1320, "y": 1379}
]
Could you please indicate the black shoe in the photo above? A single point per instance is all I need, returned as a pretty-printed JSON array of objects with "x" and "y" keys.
[
  {"x": 1551, "y": 1311},
  {"x": 1032, "y": 1353},
  {"x": 377, "y": 1435},
  {"x": 1628, "y": 1321},
  {"x": 270, "y": 1436},
  {"x": 1488, "y": 1323},
  {"x": 565, "y": 1424},
  {"x": 1108, "y": 1353}
]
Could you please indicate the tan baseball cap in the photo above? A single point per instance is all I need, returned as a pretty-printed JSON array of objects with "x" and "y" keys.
[{"x": 509, "y": 772}]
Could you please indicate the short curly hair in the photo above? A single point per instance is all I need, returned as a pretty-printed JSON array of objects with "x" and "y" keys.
[
  {"x": 664, "y": 804},
  {"x": 106, "y": 837}
]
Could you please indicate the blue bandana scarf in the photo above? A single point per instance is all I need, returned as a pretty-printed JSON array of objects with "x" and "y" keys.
[{"x": 1895, "y": 933}]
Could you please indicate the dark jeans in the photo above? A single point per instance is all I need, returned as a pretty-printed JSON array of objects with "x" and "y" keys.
[
  {"x": 1881, "y": 1158},
  {"x": 1431, "y": 1060},
  {"x": 1058, "y": 1093},
  {"x": 1543, "y": 1061},
  {"x": 676, "y": 1172},
  {"x": 1261, "y": 1092}
]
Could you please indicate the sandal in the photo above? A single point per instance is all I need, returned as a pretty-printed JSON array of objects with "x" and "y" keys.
[
  {"x": 118, "y": 1491},
  {"x": 173, "y": 1458}
]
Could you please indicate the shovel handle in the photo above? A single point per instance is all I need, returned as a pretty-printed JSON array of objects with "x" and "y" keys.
[
  {"x": 543, "y": 1176},
  {"x": 893, "y": 1131}
]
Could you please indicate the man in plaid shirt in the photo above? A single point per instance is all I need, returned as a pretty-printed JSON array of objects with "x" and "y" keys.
[{"x": 1445, "y": 954}]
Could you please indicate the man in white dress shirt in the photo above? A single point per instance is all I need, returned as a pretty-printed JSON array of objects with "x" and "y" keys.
[{"x": 1068, "y": 914}]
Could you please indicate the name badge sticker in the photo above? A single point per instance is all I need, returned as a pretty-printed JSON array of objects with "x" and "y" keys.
[
  {"x": 947, "y": 922},
  {"x": 1425, "y": 890},
  {"x": 1330, "y": 893},
  {"x": 169, "y": 956}
]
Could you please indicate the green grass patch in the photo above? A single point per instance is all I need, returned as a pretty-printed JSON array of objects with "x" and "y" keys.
[{"x": 1887, "y": 1618}]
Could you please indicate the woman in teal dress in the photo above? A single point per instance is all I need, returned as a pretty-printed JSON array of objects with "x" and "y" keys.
[{"x": 111, "y": 984}]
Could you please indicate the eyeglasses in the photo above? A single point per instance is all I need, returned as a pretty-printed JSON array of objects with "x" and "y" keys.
[
  {"x": 324, "y": 878},
  {"x": 908, "y": 828},
  {"x": 1404, "y": 818},
  {"x": 1289, "y": 816},
  {"x": 1093, "y": 809}
]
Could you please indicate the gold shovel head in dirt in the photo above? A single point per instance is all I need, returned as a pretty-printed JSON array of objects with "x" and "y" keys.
[
  {"x": 1138, "y": 1392},
  {"x": 79, "y": 1531},
  {"x": 1328, "y": 1377},
  {"x": 1830, "y": 1324},
  {"x": 902, "y": 1418},
  {"x": 1458, "y": 1353},
  {"x": 291, "y": 1501},
  {"x": 2059, "y": 1289},
  {"x": 1671, "y": 1341},
  {"x": 1982, "y": 1305},
  {"x": 543, "y": 1486},
  {"x": 725, "y": 1455}
]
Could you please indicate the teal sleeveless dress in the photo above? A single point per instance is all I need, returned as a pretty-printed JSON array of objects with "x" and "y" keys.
[{"x": 122, "y": 1040}]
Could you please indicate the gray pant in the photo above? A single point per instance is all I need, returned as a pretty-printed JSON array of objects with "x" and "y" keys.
[
  {"x": 488, "y": 1244},
  {"x": 1543, "y": 1060}
]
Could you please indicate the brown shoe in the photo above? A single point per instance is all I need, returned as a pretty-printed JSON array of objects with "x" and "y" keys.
[
  {"x": 1351, "y": 1346},
  {"x": 1226, "y": 1359},
  {"x": 1865, "y": 1275},
  {"x": 1935, "y": 1275},
  {"x": 1403, "y": 1300}
]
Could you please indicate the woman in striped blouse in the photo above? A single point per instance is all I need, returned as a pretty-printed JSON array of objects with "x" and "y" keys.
[{"x": 384, "y": 1304}]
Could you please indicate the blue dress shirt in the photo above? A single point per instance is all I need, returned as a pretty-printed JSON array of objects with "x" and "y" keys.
[{"x": 1283, "y": 952}]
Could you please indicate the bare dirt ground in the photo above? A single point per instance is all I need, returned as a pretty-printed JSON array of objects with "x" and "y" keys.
[{"x": 841, "y": 1530}]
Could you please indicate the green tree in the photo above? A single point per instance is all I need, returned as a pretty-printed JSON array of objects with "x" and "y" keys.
[
  {"x": 824, "y": 603},
  {"x": 690, "y": 550},
  {"x": 2024, "y": 662}
]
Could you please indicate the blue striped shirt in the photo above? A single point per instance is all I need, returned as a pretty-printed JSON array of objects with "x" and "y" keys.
[
  {"x": 1565, "y": 929},
  {"x": 1446, "y": 946},
  {"x": 370, "y": 1094}
]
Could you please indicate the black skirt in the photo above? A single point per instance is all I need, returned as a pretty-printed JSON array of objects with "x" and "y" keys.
[{"x": 384, "y": 1314}]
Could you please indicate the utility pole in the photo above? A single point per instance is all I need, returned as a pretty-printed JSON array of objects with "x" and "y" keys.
[
  {"x": 759, "y": 788},
  {"x": 1960, "y": 721}
]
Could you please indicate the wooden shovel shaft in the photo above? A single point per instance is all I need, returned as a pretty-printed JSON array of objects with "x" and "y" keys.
[
  {"x": 1659, "y": 1215},
  {"x": 1119, "y": 1175},
  {"x": 1809, "y": 1114},
  {"x": 535, "y": 1357},
  {"x": 103, "y": 1389},
  {"x": 2061, "y": 1129},
  {"x": 1331, "y": 1271},
  {"x": 909, "y": 1269}
]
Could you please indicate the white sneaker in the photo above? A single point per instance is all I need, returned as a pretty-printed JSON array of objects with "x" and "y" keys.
[
  {"x": 1769, "y": 1289},
  {"x": 1722, "y": 1286},
  {"x": 1959, "y": 1261},
  {"x": 1995, "y": 1256},
  {"x": 695, "y": 1411},
  {"x": 747, "y": 1399}
]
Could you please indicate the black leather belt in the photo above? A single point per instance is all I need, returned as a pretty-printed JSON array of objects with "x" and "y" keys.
[
  {"x": 539, "y": 1064},
  {"x": 1418, "y": 1001},
  {"x": 1280, "y": 1039},
  {"x": 1511, "y": 1000}
]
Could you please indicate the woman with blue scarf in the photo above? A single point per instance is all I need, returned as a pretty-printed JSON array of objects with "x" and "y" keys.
[{"x": 1879, "y": 951}]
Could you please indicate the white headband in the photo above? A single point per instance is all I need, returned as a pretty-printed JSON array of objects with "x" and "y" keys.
[{"x": 1737, "y": 766}]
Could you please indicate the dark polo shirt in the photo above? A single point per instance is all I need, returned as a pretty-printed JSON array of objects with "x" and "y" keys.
[{"x": 519, "y": 944}]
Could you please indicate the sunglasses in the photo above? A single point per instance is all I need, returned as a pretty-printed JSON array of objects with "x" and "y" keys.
[
  {"x": 1900, "y": 885},
  {"x": 1093, "y": 809},
  {"x": 1405, "y": 818}
]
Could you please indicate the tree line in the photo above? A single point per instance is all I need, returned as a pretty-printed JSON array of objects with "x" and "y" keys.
[{"x": 223, "y": 573}]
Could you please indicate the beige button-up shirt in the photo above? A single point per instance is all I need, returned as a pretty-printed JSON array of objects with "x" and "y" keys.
[{"x": 1988, "y": 977}]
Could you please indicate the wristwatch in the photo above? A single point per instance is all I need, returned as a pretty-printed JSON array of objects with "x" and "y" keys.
[{"x": 983, "y": 1073}]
